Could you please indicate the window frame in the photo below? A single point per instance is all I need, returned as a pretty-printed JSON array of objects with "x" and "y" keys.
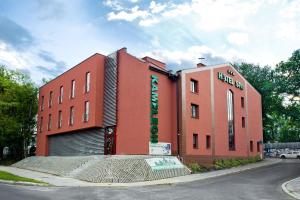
[
  {"x": 49, "y": 122},
  {"x": 242, "y": 102},
  {"x": 59, "y": 125},
  {"x": 195, "y": 141},
  {"x": 61, "y": 94},
  {"x": 72, "y": 113},
  {"x": 86, "y": 111},
  {"x": 194, "y": 86},
  {"x": 196, "y": 116},
  {"x": 42, "y": 102},
  {"x": 208, "y": 141},
  {"x": 251, "y": 146},
  {"x": 73, "y": 88},
  {"x": 87, "y": 82},
  {"x": 50, "y": 102}
]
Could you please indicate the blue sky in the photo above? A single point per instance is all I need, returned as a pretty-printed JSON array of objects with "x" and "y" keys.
[{"x": 44, "y": 38}]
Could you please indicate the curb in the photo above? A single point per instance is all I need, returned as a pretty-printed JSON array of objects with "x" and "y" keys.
[
  {"x": 167, "y": 181},
  {"x": 22, "y": 183},
  {"x": 284, "y": 188}
]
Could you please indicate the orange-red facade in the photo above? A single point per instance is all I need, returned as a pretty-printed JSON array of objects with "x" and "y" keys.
[{"x": 199, "y": 138}]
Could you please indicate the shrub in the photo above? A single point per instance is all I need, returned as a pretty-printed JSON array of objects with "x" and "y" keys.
[
  {"x": 234, "y": 162},
  {"x": 196, "y": 168}
]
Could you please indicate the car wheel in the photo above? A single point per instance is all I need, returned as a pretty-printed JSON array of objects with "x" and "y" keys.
[
  {"x": 298, "y": 157},
  {"x": 283, "y": 157}
]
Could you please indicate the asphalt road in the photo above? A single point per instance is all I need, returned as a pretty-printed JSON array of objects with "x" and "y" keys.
[{"x": 257, "y": 184}]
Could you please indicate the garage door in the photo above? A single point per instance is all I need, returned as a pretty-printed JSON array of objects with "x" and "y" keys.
[{"x": 77, "y": 143}]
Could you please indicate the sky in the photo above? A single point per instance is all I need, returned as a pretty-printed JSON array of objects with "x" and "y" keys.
[{"x": 44, "y": 38}]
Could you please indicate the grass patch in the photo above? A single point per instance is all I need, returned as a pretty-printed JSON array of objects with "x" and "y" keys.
[
  {"x": 235, "y": 162},
  {"x": 11, "y": 177}
]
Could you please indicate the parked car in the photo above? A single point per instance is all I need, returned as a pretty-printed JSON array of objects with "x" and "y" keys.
[{"x": 291, "y": 154}]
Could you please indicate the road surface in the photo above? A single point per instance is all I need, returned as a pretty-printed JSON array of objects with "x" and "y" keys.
[{"x": 256, "y": 184}]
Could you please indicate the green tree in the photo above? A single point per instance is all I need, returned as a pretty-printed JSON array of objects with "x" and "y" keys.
[
  {"x": 18, "y": 108},
  {"x": 263, "y": 80}
]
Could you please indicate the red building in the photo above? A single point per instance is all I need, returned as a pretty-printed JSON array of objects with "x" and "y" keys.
[{"x": 119, "y": 104}]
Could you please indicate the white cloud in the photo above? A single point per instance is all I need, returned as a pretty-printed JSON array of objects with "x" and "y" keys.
[
  {"x": 157, "y": 7},
  {"x": 155, "y": 41},
  {"x": 114, "y": 4},
  {"x": 238, "y": 38},
  {"x": 133, "y": 14},
  {"x": 11, "y": 58},
  {"x": 148, "y": 21},
  {"x": 134, "y": 1}
]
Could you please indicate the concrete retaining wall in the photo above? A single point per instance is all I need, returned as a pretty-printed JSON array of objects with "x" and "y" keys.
[{"x": 101, "y": 169}]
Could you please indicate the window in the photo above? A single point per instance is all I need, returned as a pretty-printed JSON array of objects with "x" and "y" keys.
[
  {"x": 258, "y": 146},
  {"x": 49, "y": 122},
  {"x": 208, "y": 141},
  {"x": 195, "y": 141},
  {"x": 73, "y": 89},
  {"x": 50, "y": 99},
  {"x": 194, "y": 86},
  {"x": 195, "y": 111},
  {"x": 87, "y": 81},
  {"x": 251, "y": 146},
  {"x": 61, "y": 94},
  {"x": 86, "y": 111},
  {"x": 41, "y": 124},
  {"x": 242, "y": 102},
  {"x": 59, "y": 119},
  {"x": 243, "y": 122},
  {"x": 42, "y": 103},
  {"x": 230, "y": 117},
  {"x": 71, "y": 122}
]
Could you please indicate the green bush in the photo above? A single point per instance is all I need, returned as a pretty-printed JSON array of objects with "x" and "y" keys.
[
  {"x": 196, "y": 168},
  {"x": 234, "y": 162}
]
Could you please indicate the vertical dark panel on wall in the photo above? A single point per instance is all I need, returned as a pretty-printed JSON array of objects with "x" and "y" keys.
[
  {"x": 110, "y": 91},
  {"x": 77, "y": 143}
]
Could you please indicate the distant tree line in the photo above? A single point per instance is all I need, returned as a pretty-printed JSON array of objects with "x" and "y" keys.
[
  {"x": 279, "y": 87},
  {"x": 18, "y": 109}
]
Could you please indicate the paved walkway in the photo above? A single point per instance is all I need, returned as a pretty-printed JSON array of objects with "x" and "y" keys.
[
  {"x": 70, "y": 182},
  {"x": 292, "y": 187}
]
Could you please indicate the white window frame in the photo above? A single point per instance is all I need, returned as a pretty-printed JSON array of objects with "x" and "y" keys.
[
  {"x": 73, "y": 87},
  {"x": 86, "y": 111},
  {"x": 87, "y": 82}
]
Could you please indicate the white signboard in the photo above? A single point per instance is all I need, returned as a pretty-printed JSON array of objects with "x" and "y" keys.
[
  {"x": 164, "y": 163},
  {"x": 160, "y": 148}
]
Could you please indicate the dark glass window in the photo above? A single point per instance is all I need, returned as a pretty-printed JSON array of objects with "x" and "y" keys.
[
  {"x": 258, "y": 146},
  {"x": 195, "y": 141},
  {"x": 49, "y": 122},
  {"x": 42, "y": 103},
  {"x": 41, "y": 124},
  {"x": 251, "y": 146},
  {"x": 195, "y": 111},
  {"x": 242, "y": 102},
  {"x": 230, "y": 117},
  {"x": 61, "y": 94},
  {"x": 243, "y": 122},
  {"x": 208, "y": 141},
  {"x": 50, "y": 99},
  {"x": 71, "y": 116}
]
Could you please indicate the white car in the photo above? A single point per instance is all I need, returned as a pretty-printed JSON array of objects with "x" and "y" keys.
[{"x": 291, "y": 154}]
